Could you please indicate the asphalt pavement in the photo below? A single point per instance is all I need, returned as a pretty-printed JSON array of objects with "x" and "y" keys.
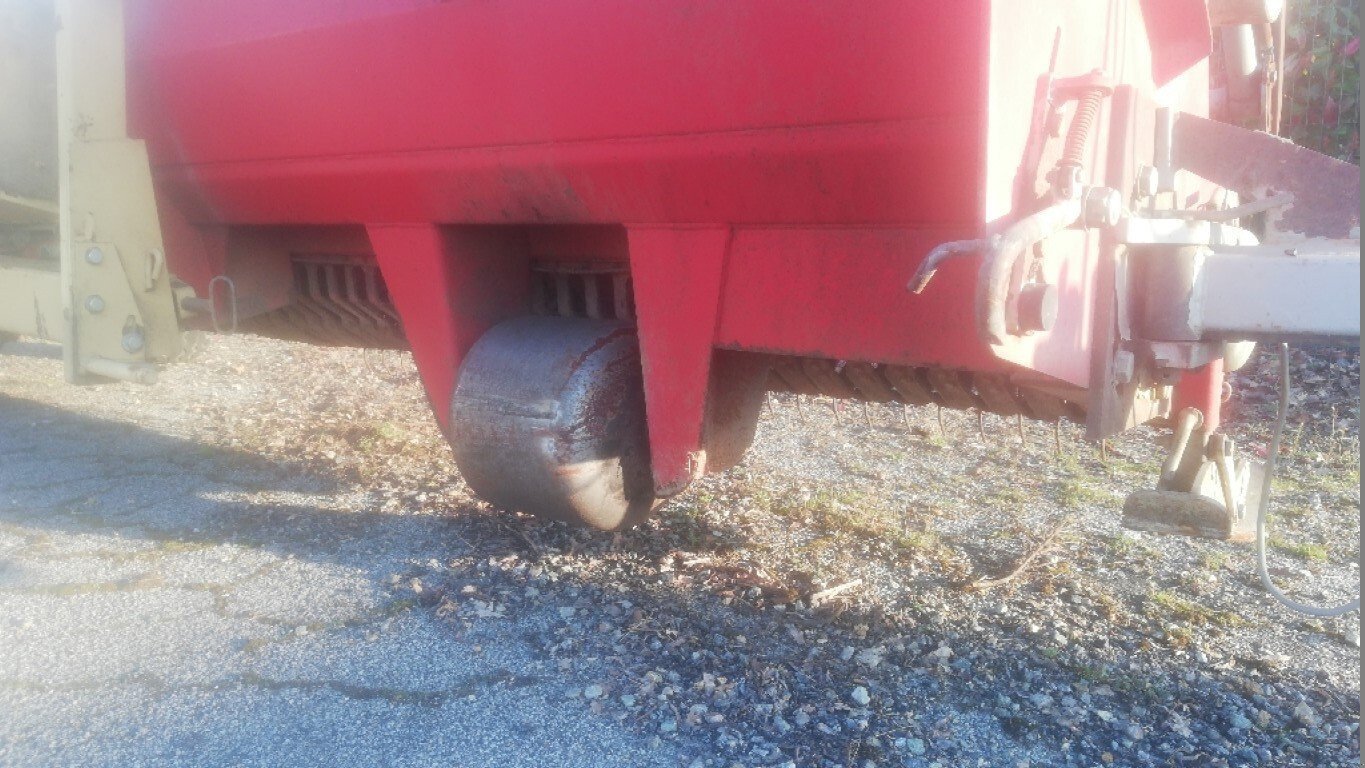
[{"x": 163, "y": 602}]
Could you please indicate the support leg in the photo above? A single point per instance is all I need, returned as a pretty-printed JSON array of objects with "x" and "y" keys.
[
  {"x": 450, "y": 285},
  {"x": 1202, "y": 389},
  {"x": 677, "y": 276}
]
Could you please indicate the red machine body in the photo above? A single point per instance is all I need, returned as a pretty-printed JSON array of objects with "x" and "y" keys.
[{"x": 770, "y": 172}]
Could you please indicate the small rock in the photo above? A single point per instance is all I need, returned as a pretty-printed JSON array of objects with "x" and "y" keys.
[
  {"x": 915, "y": 746},
  {"x": 871, "y": 657},
  {"x": 861, "y": 697},
  {"x": 1305, "y": 714},
  {"x": 593, "y": 692},
  {"x": 939, "y": 655}
]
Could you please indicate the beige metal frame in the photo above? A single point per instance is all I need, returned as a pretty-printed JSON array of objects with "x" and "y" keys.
[{"x": 108, "y": 298}]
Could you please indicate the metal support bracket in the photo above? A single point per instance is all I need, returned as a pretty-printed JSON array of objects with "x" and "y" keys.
[
  {"x": 677, "y": 274},
  {"x": 1206, "y": 490},
  {"x": 87, "y": 269},
  {"x": 118, "y": 298}
]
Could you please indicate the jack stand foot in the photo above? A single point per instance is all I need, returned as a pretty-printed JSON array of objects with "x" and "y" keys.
[{"x": 1205, "y": 491}]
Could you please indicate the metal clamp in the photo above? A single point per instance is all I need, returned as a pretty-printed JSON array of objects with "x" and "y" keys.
[{"x": 995, "y": 282}]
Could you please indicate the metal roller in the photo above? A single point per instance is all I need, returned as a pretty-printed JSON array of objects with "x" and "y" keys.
[{"x": 549, "y": 418}]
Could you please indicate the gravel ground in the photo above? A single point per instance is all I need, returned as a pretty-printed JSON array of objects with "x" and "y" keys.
[{"x": 269, "y": 558}]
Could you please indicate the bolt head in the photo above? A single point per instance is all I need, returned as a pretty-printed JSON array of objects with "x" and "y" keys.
[
  {"x": 1103, "y": 207},
  {"x": 1037, "y": 307},
  {"x": 94, "y": 255},
  {"x": 94, "y": 304},
  {"x": 1066, "y": 182},
  {"x": 133, "y": 341}
]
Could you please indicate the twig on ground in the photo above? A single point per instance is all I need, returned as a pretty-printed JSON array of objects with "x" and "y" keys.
[{"x": 1049, "y": 541}]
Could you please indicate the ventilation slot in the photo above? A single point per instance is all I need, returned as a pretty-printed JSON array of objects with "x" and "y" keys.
[{"x": 598, "y": 291}]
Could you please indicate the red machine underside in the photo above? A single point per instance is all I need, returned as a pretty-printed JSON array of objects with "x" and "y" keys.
[{"x": 771, "y": 171}]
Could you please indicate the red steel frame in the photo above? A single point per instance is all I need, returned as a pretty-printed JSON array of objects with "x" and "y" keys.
[{"x": 772, "y": 172}]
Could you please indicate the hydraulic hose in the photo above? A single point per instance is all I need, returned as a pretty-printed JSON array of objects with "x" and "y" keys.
[{"x": 1263, "y": 514}]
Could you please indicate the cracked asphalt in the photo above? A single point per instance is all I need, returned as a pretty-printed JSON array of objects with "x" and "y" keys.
[{"x": 164, "y": 602}]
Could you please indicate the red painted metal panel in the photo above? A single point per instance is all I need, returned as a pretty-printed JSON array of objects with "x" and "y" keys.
[
  {"x": 449, "y": 284},
  {"x": 863, "y": 173},
  {"x": 1178, "y": 32},
  {"x": 471, "y": 74},
  {"x": 840, "y": 293},
  {"x": 677, "y": 274},
  {"x": 574, "y": 110}
]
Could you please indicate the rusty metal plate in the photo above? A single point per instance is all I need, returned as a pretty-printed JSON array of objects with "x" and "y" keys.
[
  {"x": 1184, "y": 514},
  {"x": 1326, "y": 190},
  {"x": 1044, "y": 406}
]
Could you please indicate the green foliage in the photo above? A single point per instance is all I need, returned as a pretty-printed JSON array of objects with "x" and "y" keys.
[
  {"x": 1303, "y": 550},
  {"x": 1170, "y": 606},
  {"x": 1322, "y": 77}
]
